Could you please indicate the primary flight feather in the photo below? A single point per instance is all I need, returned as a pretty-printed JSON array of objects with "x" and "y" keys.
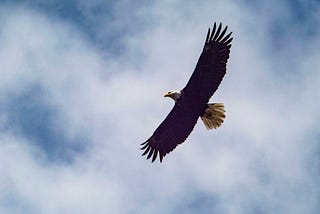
[{"x": 192, "y": 101}]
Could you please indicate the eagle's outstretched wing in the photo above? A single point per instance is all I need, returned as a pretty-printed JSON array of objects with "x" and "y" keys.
[
  {"x": 211, "y": 66},
  {"x": 172, "y": 131},
  {"x": 204, "y": 81}
]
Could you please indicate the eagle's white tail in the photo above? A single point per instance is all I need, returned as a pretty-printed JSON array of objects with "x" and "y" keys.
[{"x": 213, "y": 116}]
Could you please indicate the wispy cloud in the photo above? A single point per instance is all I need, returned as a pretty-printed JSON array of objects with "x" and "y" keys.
[{"x": 81, "y": 87}]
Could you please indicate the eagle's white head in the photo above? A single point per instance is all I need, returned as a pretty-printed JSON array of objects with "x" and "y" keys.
[{"x": 175, "y": 95}]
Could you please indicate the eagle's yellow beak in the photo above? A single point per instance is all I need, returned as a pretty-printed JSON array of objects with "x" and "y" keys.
[{"x": 166, "y": 95}]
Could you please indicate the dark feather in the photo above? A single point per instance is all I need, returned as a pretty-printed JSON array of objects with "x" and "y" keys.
[
  {"x": 208, "y": 34},
  {"x": 217, "y": 33},
  {"x": 222, "y": 34},
  {"x": 154, "y": 155},
  {"x": 213, "y": 31}
]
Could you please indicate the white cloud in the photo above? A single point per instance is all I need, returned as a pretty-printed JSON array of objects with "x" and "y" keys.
[{"x": 256, "y": 162}]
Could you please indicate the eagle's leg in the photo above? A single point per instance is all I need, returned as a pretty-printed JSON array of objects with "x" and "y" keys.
[{"x": 213, "y": 116}]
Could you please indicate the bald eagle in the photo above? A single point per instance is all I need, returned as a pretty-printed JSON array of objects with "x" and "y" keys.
[{"x": 192, "y": 101}]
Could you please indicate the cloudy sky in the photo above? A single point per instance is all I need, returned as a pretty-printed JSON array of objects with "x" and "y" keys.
[{"x": 81, "y": 87}]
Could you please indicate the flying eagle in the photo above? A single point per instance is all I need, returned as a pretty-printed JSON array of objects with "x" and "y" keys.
[{"x": 192, "y": 101}]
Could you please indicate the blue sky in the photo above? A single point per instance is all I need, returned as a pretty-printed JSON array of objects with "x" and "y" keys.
[{"x": 81, "y": 87}]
